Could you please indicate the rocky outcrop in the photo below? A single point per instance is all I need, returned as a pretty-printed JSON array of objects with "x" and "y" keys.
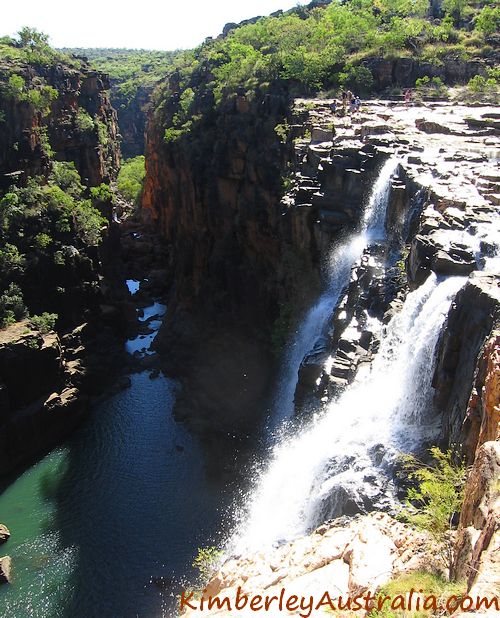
[
  {"x": 45, "y": 384},
  {"x": 343, "y": 558},
  {"x": 27, "y": 136},
  {"x": 472, "y": 318},
  {"x": 482, "y": 421},
  {"x": 132, "y": 116},
  {"x": 4, "y": 534},
  {"x": 5, "y": 566},
  {"x": 39, "y": 410},
  {"x": 403, "y": 72},
  {"x": 478, "y": 540},
  {"x": 242, "y": 249}
]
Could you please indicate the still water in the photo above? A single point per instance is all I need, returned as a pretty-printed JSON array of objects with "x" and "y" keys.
[{"x": 107, "y": 525}]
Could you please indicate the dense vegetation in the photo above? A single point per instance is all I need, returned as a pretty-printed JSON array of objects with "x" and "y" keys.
[
  {"x": 128, "y": 69},
  {"x": 43, "y": 227},
  {"x": 49, "y": 223},
  {"x": 32, "y": 47},
  {"x": 131, "y": 178},
  {"x": 308, "y": 50}
]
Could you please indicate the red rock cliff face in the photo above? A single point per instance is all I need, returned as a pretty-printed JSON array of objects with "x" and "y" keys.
[
  {"x": 26, "y": 133},
  {"x": 216, "y": 199},
  {"x": 234, "y": 256},
  {"x": 245, "y": 254}
]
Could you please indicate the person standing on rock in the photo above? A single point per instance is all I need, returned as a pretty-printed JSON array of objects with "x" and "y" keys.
[
  {"x": 344, "y": 100},
  {"x": 352, "y": 105}
]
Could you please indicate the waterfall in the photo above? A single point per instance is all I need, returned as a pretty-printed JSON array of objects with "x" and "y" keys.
[
  {"x": 340, "y": 261},
  {"x": 347, "y": 448}
]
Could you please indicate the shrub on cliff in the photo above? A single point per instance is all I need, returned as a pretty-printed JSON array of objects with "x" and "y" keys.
[
  {"x": 12, "y": 307},
  {"x": 46, "y": 228},
  {"x": 436, "y": 498},
  {"x": 45, "y": 322},
  {"x": 40, "y": 97},
  {"x": 488, "y": 20},
  {"x": 206, "y": 562}
]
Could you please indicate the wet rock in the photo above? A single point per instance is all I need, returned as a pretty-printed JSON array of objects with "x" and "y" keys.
[
  {"x": 5, "y": 570},
  {"x": 4, "y": 533},
  {"x": 311, "y": 368},
  {"x": 443, "y": 263}
]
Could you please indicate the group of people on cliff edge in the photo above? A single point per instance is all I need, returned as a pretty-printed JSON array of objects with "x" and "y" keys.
[{"x": 350, "y": 103}]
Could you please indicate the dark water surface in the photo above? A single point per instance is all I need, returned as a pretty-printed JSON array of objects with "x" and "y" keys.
[{"x": 106, "y": 525}]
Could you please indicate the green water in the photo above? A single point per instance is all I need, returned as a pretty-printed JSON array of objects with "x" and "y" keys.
[
  {"x": 108, "y": 525},
  {"x": 41, "y": 564}
]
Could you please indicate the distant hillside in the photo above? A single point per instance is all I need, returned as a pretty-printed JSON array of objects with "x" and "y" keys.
[{"x": 133, "y": 75}]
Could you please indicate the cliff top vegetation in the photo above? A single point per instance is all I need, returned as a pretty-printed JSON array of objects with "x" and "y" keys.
[{"x": 310, "y": 49}]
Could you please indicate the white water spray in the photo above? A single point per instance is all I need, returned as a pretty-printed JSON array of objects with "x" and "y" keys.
[
  {"x": 340, "y": 262},
  {"x": 344, "y": 451}
]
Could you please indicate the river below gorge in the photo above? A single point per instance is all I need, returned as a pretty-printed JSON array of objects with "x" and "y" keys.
[{"x": 107, "y": 525}]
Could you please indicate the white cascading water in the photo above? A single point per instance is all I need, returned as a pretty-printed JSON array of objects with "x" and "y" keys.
[
  {"x": 340, "y": 262},
  {"x": 345, "y": 448}
]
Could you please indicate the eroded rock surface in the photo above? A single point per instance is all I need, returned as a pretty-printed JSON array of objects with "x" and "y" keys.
[{"x": 348, "y": 559}]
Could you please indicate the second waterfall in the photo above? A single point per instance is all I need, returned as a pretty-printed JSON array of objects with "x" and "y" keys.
[{"x": 343, "y": 459}]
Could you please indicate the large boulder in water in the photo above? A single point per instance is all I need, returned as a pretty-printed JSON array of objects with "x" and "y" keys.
[
  {"x": 4, "y": 534},
  {"x": 5, "y": 564}
]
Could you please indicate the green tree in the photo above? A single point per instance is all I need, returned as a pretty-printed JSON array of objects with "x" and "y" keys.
[
  {"x": 488, "y": 20},
  {"x": 45, "y": 322},
  {"x": 32, "y": 38},
  {"x": 359, "y": 79},
  {"x": 131, "y": 178},
  {"x": 435, "y": 500},
  {"x": 12, "y": 307},
  {"x": 16, "y": 87},
  {"x": 455, "y": 8}
]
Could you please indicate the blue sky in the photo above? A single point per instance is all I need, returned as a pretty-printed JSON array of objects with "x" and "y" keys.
[{"x": 150, "y": 24}]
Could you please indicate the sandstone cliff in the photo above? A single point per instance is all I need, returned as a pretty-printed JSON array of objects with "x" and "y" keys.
[
  {"x": 28, "y": 135},
  {"x": 55, "y": 244}
]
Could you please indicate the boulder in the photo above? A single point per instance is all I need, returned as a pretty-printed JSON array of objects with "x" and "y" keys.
[
  {"x": 429, "y": 126},
  {"x": 4, "y": 533},
  {"x": 5, "y": 566},
  {"x": 444, "y": 263},
  {"x": 320, "y": 134}
]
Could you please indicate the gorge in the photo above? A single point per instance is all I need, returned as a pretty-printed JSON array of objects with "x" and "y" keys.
[{"x": 238, "y": 363}]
